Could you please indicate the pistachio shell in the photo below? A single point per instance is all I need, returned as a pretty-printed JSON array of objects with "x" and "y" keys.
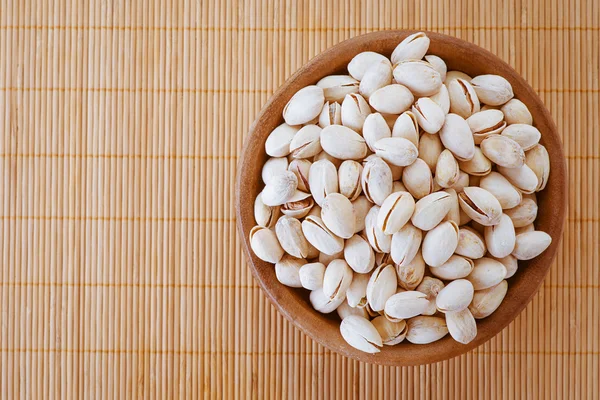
[
  {"x": 391, "y": 332},
  {"x": 361, "y": 207},
  {"x": 405, "y": 244},
  {"x": 526, "y": 135},
  {"x": 299, "y": 205},
  {"x": 487, "y": 273},
  {"x": 508, "y": 196},
  {"x": 380, "y": 242},
  {"x": 343, "y": 143},
  {"x": 430, "y": 148},
  {"x": 359, "y": 333},
  {"x": 265, "y": 245},
  {"x": 539, "y": 161},
  {"x": 492, "y": 89},
  {"x": 486, "y": 123},
  {"x": 426, "y": 329},
  {"x": 461, "y": 325},
  {"x": 439, "y": 243},
  {"x": 418, "y": 179},
  {"x": 338, "y": 215},
  {"x": 377, "y": 76},
  {"x": 375, "y": 128},
  {"x": 356, "y": 295},
  {"x": 278, "y": 142},
  {"x": 413, "y": 47},
  {"x": 322, "y": 180},
  {"x": 349, "y": 175},
  {"x": 457, "y": 137},
  {"x": 359, "y": 254},
  {"x": 391, "y": 99},
  {"x": 456, "y": 296},
  {"x": 290, "y": 236},
  {"x": 319, "y": 236},
  {"x": 406, "y": 305},
  {"x": 376, "y": 180},
  {"x": 395, "y": 211},
  {"x": 503, "y": 151},
  {"x": 287, "y": 271},
  {"x": 411, "y": 274},
  {"x": 382, "y": 285},
  {"x": 462, "y": 183},
  {"x": 522, "y": 177},
  {"x": 407, "y": 127},
  {"x": 510, "y": 263},
  {"x": 418, "y": 76},
  {"x": 470, "y": 243},
  {"x": 431, "y": 210},
  {"x": 447, "y": 171},
  {"x": 430, "y": 115},
  {"x": 331, "y": 114},
  {"x": 265, "y": 215},
  {"x": 479, "y": 165},
  {"x": 305, "y": 142},
  {"x": 515, "y": 112},
  {"x": 452, "y": 75},
  {"x": 359, "y": 65},
  {"x": 354, "y": 111},
  {"x": 500, "y": 238},
  {"x": 431, "y": 287},
  {"x": 304, "y": 106},
  {"x": 336, "y": 87},
  {"x": 301, "y": 169},
  {"x": 337, "y": 279},
  {"x": 438, "y": 64},
  {"x": 480, "y": 205},
  {"x": 442, "y": 99},
  {"x": 531, "y": 244},
  {"x": 455, "y": 268},
  {"x": 311, "y": 275},
  {"x": 280, "y": 189},
  {"x": 273, "y": 166},
  {"x": 486, "y": 301},
  {"x": 396, "y": 150},
  {"x": 323, "y": 303},
  {"x": 463, "y": 98},
  {"x": 345, "y": 310}
]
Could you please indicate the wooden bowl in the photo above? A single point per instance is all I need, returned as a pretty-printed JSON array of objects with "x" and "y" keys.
[{"x": 294, "y": 304}]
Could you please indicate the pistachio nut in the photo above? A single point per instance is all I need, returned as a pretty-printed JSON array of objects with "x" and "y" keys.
[
  {"x": 410, "y": 275},
  {"x": 290, "y": 236},
  {"x": 442, "y": 99},
  {"x": 354, "y": 111},
  {"x": 299, "y": 205},
  {"x": 431, "y": 210},
  {"x": 430, "y": 148},
  {"x": 478, "y": 166},
  {"x": 380, "y": 242},
  {"x": 426, "y": 329},
  {"x": 515, "y": 112},
  {"x": 486, "y": 301},
  {"x": 391, "y": 99},
  {"x": 287, "y": 271},
  {"x": 382, "y": 285},
  {"x": 301, "y": 169},
  {"x": 322, "y": 180},
  {"x": 359, "y": 65},
  {"x": 359, "y": 333},
  {"x": 486, "y": 273},
  {"x": 331, "y": 114},
  {"x": 418, "y": 179},
  {"x": 265, "y": 245},
  {"x": 356, "y": 295},
  {"x": 280, "y": 189},
  {"x": 311, "y": 275},
  {"x": 405, "y": 305},
  {"x": 503, "y": 151},
  {"x": 345, "y": 310},
  {"x": 337, "y": 279},
  {"x": 325, "y": 156},
  {"x": 306, "y": 142},
  {"x": 405, "y": 244},
  {"x": 278, "y": 141},
  {"x": 438, "y": 64},
  {"x": 457, "y": 137},
  {"x": 456, "y": 267},
  {"x": 538, "y": 160},
  {"x": 349, "y": 175},
  {"x": 325, "y": 259},
  {"x": 431, "y": 287},
  {"x": 461, "y": 325},
  {"x": 531, "y": 244},
  {"x": 452, "y": 75},
  {"x": 454, "y": 211},
  {"x": 463, "y": 98},
  {"x": 324, "y": 304},
  {"x": 463, "y": 181},
  {"x": 447, "y": 171},
  {"x": 526, "y": 135},
  {"x": 494, "y": 90},
  {"x": 429, "y": 114},
  {"x": 396, "y": 150},
  {"x": 470, "y": 243},
  {"x": 523, "y": 229},
  {"x": 361, "y": 207},
  {"x": 376, "y": 180},
  {"x": 318, "y": 235},
  {"x": 304, "y": 106},
  {"x": 377, "y": 76},
  {"x": 273, "y": 166},
  {"x": 480, "y": 205},
  {"x": 502, "y": 189},
  {"x": 418, "y": 76},
  {"x": 500, "y": 238},
  {"x": 395, "y": 211},
  {"x": 407, "y": 127},
  {"x": 391, "y": 332},
  {"x": 486, "y": 123},
  {"x": 456, "y": 296},
  {"x": 343, "y": 143},
  {"x": 522, "y": 177},
  {"x": 413, "y": 47},
  {"x": 439, "y": 243},
  {"x": 375, "y": 128},
  {"x": 265, "y": 215},
  {"x": 510, "y": 263},
  {"x": 359, "y": 254},
  {"x": 336, "y": 87}
]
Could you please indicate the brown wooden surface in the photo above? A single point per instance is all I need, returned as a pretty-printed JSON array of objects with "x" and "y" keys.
[{"x": 121, "y": 273}]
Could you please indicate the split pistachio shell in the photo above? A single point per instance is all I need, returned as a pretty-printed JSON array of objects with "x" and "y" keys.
[
  {"x": 522, "y": 177},
  {"x": 319, "y": 236},
  {"x": 345, "y": 310},
  {"x": 410, "y": 275},
  {"x": 418, "y": 76},
  {"x": 487, "y": 273},
  {"x": 361, "y": 334},
  {"x": 480, "y": 205},
  {"x": 380, "y": 242},
  {"x": 418, "y": 179},
  {"x": 430, "y": 116},
  {"x": 325, "y": 156},
  {"x": 523, "y": 229},
  {"x": 426, "y": 329},
  {"x": 305, "y": 142},
  {"x": 337, "y": 279},
  {"x": 377, "y": 76},
  {"x": 463, "y": 98},
  {"x": 406, "y": 305},
  {"x": 456, "y": 296},
  {"x": 356, "y": 295},
  {"x": 299, "y": 205},
  {"x": 301, "y": 169},
  {"x": 265, "y": 245},
  {"x": 511, "y": 264},
  {"x": 391, "y": 332},
  {"x": 538, "y": 160},
  {"x": 452, "y": 75},
  {"x": 324, "y": 304},
  {"x": 359, "y": 254},
  {"x": 338, "y": 215},
  {"x": 438, "y": 64},
  {"x": 515, "y": 112},
  {"x": 500, "y": 238},
  {"x": 391, "y": 99},
  {"x": 304, "y": 106},
  {"x": 486, "y": 123},
  {"x": 413, "y": 47},
  {"x": 526, "y": 135},
  {"x": 439, "y": 243},
  {"x": 280, "y": 189},
  {"x": 502, "y": 189},
  {"x": 265, "y": 215},
  {"x": 407, "y": 127},
  {"x": 442, "y": 99},
  {"x": 322, "y": 180},
  {"x": 430, "y": 148},
  {"x": 361, "y": 207},
  {"x": 486, "y": 301},
  {"x": 382, "y": 285},
  {"x": 470, "y": 244},
  {"x": 354, "y": 111},
  {"x": 405, "y": 244},
  {"x": 311, "y": 275},
  {"x": 395, "y": 211},
  {"x": 447, "y": 171},
  {"x": 531, "y": 244},
  {"x": 376, "y": 180},
  {"x": 274, "y": 166},
  {"x": 431, "y": 210},
  {"x": 503, "y": 151},
  {"x": 431, "y": 287},
  {"x": 457, "y": 137},
  {"x": 463, "y": 181},
  {"x": 455, "y": 268},
  {"x": 492, "y": 89},
  {"x": 343, "y": 143},
  {"x": 349, "y": 175},
  {"x": 461, "y": 325},
  {"x": 479, "y": 165},
  {"x": 290, "y": 236},
  {"x": 278, "y": 142},
  {"x": 336, "y": 87},
  {"x": 331, "y": 114},
  {"x": 287, "y": 271},
  {"x": 396, "y": 150},
  {"x": 359, "y": 65},
  {"x": 375, "y": 128}
]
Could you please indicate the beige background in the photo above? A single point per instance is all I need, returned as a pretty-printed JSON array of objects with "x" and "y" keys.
[{"x": 121, "y": 271}]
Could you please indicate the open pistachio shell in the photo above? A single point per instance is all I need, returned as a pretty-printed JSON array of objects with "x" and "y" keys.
[
  {"x": 479, "y": 165},
  {"x": 486, "y": 301},
  {"x": 375, "y": 128},
  {"x": 407, "y": 127},
  {"x": 494, "y": 90},
  {"x": 377, "y": 76},
  {"x": 361, "y": 334},
  {"x": 376, "y": 180},
  {"x": 336, "y": 87},
  {"x": 331, "y": 114},
  {"x": 480, "y": 205},
  {"x": 405, "y": 243},
  {"x": 538, "y": 160},
  {"x": 413, "y": 47},
  {"x": 356, "y": 295},
  {"x": 431, "y": 210},
  {"x": 354, "y": 111},
  {"x": 470, "y": 243},
  {"x": 410, "y": 275},
  {"x": 447, "y": 171},
  {"x": 391, "y": 332},
  {"x": 265, "y": 215},
  {"x": 382, "y": 285},
  {"x": 503, "y": 151},
  {"x": 322, "y": 180},
  {"x": 290, "y": 236},
  {"x": 431, "y": 287},
  {"x": 426, "y": 329},
  {"x": 359, "y": 65},
  {"x": 380, "y": 242},
  {"x": 463, "y": 99},
  {"x": 395, "y": 211},
  {"x": 320, "y": 236}
]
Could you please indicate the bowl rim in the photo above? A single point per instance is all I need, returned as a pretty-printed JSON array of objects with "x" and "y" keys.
[{"x": 357, "y": 45}]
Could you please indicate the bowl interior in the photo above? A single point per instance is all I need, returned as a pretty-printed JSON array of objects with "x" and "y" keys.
[{"x": 293, "y": 303}]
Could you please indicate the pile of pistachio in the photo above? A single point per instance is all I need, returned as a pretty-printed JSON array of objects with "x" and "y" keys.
[{"x": 402, "y": 195}]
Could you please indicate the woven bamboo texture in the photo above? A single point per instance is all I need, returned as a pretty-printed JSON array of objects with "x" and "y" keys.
[{"x": 122, "y": 275}]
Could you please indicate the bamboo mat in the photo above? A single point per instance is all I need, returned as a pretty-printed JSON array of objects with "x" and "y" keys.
[{"x": 121, "y": 271}]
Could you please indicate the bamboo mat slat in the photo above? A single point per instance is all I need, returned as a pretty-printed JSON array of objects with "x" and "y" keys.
[{"x": 121, "y": 271}]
